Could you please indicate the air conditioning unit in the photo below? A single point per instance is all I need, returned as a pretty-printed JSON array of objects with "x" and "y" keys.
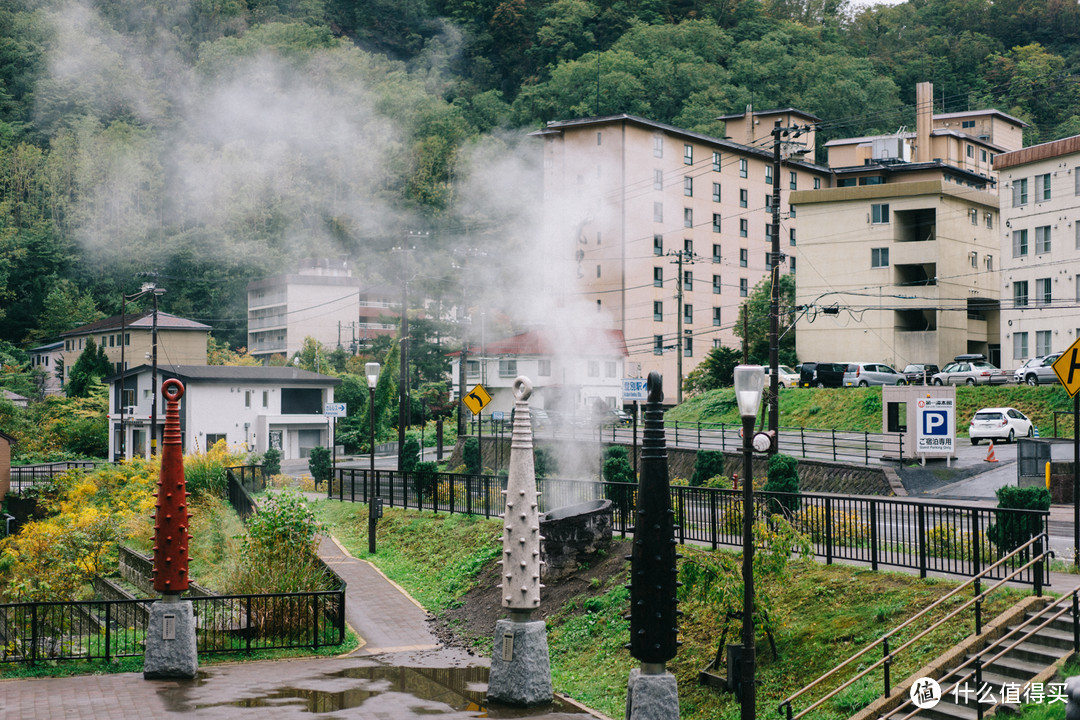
[{"x": 129, "y": 410}]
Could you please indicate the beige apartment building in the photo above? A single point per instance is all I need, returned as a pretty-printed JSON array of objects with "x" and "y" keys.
[
  {"x": 180, "y": 341},
  {"x": 1040, "y": 267},
  {"x": 900, "y": 260},
  {"x": 666, "y": 231},
  {"x": 323, "y": 300}
]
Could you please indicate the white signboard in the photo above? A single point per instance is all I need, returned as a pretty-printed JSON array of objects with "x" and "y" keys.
[
  {"x": 635, "y": 389},
  {"x": 334, "y": 410},
  {"x": 936, "y": 433}
]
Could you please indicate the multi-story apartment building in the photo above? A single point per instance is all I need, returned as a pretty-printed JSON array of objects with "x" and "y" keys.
[
  {"x": 666, "y": 231},
  {"x": 180, "y": 341},
  {"x": 900, "y": 258},
  {"x": 1040, "y": 264},
  {"x": 323, "y": 301}
]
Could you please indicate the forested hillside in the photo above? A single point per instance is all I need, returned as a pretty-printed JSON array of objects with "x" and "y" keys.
[{"x": 217, "y": 141}]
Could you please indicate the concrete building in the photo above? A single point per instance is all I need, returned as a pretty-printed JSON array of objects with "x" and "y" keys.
[
  {"x": 572, "y": 369},
  {"x": 665, "y": 231},
  {"x": 323, "y": 301},
  {"x": 1040, "y": 241},
  {"x": 259, "y": 407},
  {"x": 901, "y": 257},
  {"x": 180, "y": 341},
  {"x": 48, "y": 358}
]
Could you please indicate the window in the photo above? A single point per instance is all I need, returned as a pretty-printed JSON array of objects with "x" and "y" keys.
[
  {"x": 716, "y": 316},
  {"x": 716, "y": 161},
  {"x": 791, "y": 265},
  {"x": 544, "y": 369},
  {"x": 609, "y": 368},
  {"x": 817, "y": 183},
  {"x": 716, "y": 192},
  {"x": 472, "y": 368},
  {"x": 658, "y": 344},
  {"x": 657, "y": 244},
  {"x": 688, "y": 246},
  {"x": 1076, "y": 181},
  {"x": 247, "y": 398},
  {"x": 791, "y": 236},
  {"x": 1077, "y": 280},
  {"x": 658, "y": 179},
  {"x": 1020, "y": 346},
  {"x": 743, "y": 253},
  {"x": 971, "y": 151},
  {"x": 1020, "y": 243},
  {"x": 716, "y": 222},
  {"x": 768, "y": 231},
  {"x": 688, "y": 186},
  {"x": 989, "y": 260},
  {"x": 597, "y": 237},
  {"x": 982, "y": 155},
  {"x": 593, "y": 368},
  {"x": 658, "y": 146},
  {"x": 974, "y": 215},
  {"x": 716, "y": 284},
  {"x": 508, "y": 368},
  {"x": 1043, "y": 338},
  {"x": 688, "y": 279},
  {"x": 744, "y": 227},
  {"x": 129, "y": 398},
  {"x": 879, "y": 213},
  {"x": 658, "y": 212},
  {"x": 742, "y": 168},
  {"x": 879, "y": 257},
  {"x": 688, "y": 346},
  {"x": 768, "y": 203},
  {"x": 688, "y": 154},
  {"x": 793, "y": 180},
  {"x": 1042, "y": 187},
  {"x": 658, "y": 277},
  {"x": 716, "y": 253},
  {"x": 791, "y": 211},
  {"x": 989, "y": 221},
  {"x": 967, "y": 124},
  {"x": 265, "y": 398},
  {"x": 743, "y": 287},
  {"x": 658, "y": 311},
  {"x": 974, "y": 256},
  {"x": 1043, "y": 293},
  {"x": 597, "y": 271},
  {"x": 1020, "y": 293},
  {"x": 1020, "y": 192},
  {"x": 744, "y": 198},
  {"x": 768, "y": 174},
  {"x": 688, "y": 217},
  {"x": 1042, "y": 239},
  {"x": 688, "y": 314}
]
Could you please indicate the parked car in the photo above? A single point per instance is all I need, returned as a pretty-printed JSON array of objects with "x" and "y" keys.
[
  {"x": 1002, "y": 423},
  {"x": 970, "y": 372},
  {"x": 1037, "y": 370},
  {"x": 822, "y": 374},
  {"x": 539, "y": 418},
  {"x": 612, "y": 416},
  {"x": 920, "y": 373},
  {"x": 785, "y": 376},
  {"x": 866, "y": 374}
]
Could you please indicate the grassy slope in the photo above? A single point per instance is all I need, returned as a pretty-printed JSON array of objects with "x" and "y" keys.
[
  {"x": 825, "y": 613},
  {"x": 860, "y": 408}
]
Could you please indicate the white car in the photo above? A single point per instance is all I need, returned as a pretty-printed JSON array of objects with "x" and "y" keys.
[
  {"x": 785, "y": 376},
  {"x": 1002, "y": 423}
]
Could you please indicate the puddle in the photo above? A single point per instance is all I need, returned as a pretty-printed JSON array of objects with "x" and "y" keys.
[{"x": 400, "y": 692}]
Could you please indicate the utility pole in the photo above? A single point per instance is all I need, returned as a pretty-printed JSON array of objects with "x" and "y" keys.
[
  {"x": 403, "y": 358},
  {"x": 681, "y": 256}
]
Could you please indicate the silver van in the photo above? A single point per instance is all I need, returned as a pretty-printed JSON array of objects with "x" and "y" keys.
[{"x": 866, "y": 374}]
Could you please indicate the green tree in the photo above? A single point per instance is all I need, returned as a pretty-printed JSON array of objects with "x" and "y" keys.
[
  {"x": 757, "y": 305},
  {"x": 271, "y": 461},
  {"x": 1011, "y": 530},
  {"x": 89, "y": 369},
  {"x": 410, "y": 454},
  {"x": 783, "y": 478},
  {"x": 707, "y": 465},
  {"x": 716, "y": 370},
  {"x": 470, "y": 453},
  {"x": 321, "y": 465}
]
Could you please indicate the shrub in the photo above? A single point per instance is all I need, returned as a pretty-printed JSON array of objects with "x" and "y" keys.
[
  {"x": 320, "y": 465},
  {"x": 783, "y": 478},
  {"x": 410, "y": 454},
  {"x": 848, "y": 528},
  {"x": 617, "y": 470},
  {"x": 543, "y": 462},
  {"x": 707, "y": 464},
  {"x": 470, "y": 453},
  {"x": 426, "y": 475},
  {"x": 271, "y": 462},
  {"x": 1010, "y": 531},
  {"x": 279, "y": 552},
  {"x": 204, "y": 473}
]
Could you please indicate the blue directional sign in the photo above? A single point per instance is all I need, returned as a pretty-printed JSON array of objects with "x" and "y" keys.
[{"x": 635, "y": 389}]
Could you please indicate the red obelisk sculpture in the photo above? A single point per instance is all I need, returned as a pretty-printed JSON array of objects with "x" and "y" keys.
[{"x": 171, "y": 536}]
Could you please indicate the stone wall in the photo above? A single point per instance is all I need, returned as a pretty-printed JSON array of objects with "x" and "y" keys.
[{"x": 1061, "y": 483}]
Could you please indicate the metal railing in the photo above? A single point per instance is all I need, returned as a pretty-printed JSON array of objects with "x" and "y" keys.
[
  {"x": 1034, "y": 548},
  {"x": 106, "y": 629},
  {"x": 26, "y": 476},
  {"x": 243, "y": 480},
  {"x": 881, "y": 532}
]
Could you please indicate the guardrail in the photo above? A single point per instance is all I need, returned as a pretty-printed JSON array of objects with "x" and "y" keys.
[
  {"x": 881, "y": 532},
  {"x": 24, "y": 476}
]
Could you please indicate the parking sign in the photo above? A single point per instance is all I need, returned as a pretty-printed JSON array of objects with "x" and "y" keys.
[{"x": 936, "y": 425}]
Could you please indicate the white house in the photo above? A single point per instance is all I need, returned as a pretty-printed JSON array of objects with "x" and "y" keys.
[
  {"x": 49, "y": 358},
  {"x": 570, "y": 369},
  {"x": 260, "y": 407}
]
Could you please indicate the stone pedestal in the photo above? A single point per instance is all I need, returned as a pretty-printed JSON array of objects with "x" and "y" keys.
[
  {"x": 170, "y": 641},
  {"x": 520, "y": 668},
  {"x": 652, "y": 696}
]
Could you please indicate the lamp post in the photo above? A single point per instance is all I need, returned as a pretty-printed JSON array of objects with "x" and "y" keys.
[
  {"x": 749, "y": 383},
  {"x": 371, "y": 370}
]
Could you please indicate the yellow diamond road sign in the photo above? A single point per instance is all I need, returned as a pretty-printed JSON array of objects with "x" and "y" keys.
[
  {"x": 477, "y": 399},
  {"x": 1067, "y": 368}
]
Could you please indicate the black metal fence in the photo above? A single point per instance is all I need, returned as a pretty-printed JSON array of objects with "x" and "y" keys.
[
  {"x": 106, "y": 629},
  {"x": 242, "y": 481},
  {"x": 26, "y": 476},
  {"x": 881, "y": 532}
]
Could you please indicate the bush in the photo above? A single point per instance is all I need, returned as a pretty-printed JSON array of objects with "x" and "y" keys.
[
  {"x": 707, "y": 464},
  {"x": 783, "y": 478},
  {"x": 320, "y": 465},
  {"x": 204, "y": 473},
  {"x": 1009, "y": 531},
  {"x": 426, "y": 475},
  {"x": 280, "y": 552},
  {"x": 271, "y": 462},
  {"x": 410, "y": 454},
  {"x": 617, "y": 469},
  {"x": 470, "y": 453},
  {"x": 543, "y": 462}
]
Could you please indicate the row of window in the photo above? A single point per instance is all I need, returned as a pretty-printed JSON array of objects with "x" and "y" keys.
[
  {"x": 688, "y": 275},
  {"x": 879, "y": 258},
  {"x": 688, "y": 311},
  {"x": 1042, "y": 186},
  {"x": 688, "y": 345},
  {"x": 688, "y": 222},
  {"x": 1043, "y": 240},
  {"x": 105, "y": 341},
  {"x": 1043, "y": 342},
  {"x": 1044, "y": 292}
]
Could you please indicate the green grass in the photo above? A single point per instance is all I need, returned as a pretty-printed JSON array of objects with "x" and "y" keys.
[{"x": 859, "y": 409}]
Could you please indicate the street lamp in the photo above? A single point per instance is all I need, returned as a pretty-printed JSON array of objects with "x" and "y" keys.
[
  {"x": 371, "y": 370},
  {"x": 749, "y": 383}
]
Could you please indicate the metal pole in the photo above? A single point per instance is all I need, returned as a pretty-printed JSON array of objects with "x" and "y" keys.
[
  {"x": 774, "y": 298},
  {"x": 748, "y": 658},
  {"x": 371, "y": 497},
  {"x": 1076, "y": 479},
  {"x": 153, "y": 379},
  {"x": 123, "y": 377}
]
